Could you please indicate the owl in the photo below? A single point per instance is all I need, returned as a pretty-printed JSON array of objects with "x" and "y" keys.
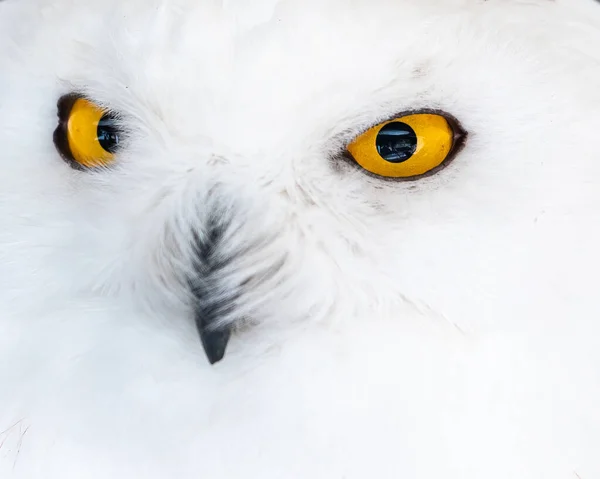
[{"x": 299, "y": 239}]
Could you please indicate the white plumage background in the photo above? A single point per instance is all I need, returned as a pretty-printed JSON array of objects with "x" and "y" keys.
[{"x": 446, "y": 327}]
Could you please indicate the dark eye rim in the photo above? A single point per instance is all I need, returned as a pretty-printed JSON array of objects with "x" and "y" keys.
[
  {"x": 458, "y": 143},
  {"x": 64, "y": 106}
]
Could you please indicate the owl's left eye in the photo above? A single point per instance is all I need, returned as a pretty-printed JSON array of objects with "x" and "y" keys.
[
  {"x": 408, "y": 146},
  {"x": 87, "y": 136}
]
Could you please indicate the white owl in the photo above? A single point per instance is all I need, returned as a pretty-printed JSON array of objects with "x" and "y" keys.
[{"x": 300, "y": 239}]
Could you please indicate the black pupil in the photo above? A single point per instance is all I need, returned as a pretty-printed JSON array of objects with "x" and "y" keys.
[
  {"x": 108, "y": 134},
  {"x": 396, "y": 142}
]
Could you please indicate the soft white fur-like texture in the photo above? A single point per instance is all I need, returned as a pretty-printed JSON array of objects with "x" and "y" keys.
[{"x": 445, "y": 328}]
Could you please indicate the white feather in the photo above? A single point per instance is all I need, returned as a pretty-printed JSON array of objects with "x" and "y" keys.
[{"x": 441, "y": 328}]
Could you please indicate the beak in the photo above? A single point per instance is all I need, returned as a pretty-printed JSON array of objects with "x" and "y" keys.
[{"x": 214, "y": 340}]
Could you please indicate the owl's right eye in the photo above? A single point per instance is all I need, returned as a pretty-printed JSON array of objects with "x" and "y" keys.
[
  {"x": 87, "y": 136},
  {"x": 408, "y": 146}
]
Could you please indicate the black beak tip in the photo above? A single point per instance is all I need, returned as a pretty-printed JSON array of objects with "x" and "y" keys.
[{"x": 215, "y": 343}]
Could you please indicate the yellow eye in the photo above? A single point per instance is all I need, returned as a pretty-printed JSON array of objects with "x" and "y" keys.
[
  {"x": 405, "y": 147},
  {"x": 87, "y": 135}
]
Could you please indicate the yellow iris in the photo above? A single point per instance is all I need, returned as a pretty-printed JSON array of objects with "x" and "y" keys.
[
  {"x": 90, "y": 135},
  {"x": 404, "y": 147}
]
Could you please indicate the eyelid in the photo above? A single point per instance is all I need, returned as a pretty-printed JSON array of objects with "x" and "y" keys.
[
  {"x": 64, "y": 105},
  {"x": 459, "y": 130}
]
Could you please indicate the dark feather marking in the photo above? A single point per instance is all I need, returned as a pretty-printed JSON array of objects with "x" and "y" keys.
[{"x": 211, "y": 300}]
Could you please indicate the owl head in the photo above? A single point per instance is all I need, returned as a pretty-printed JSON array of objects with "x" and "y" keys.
[{"x": 246, "y": 172}]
